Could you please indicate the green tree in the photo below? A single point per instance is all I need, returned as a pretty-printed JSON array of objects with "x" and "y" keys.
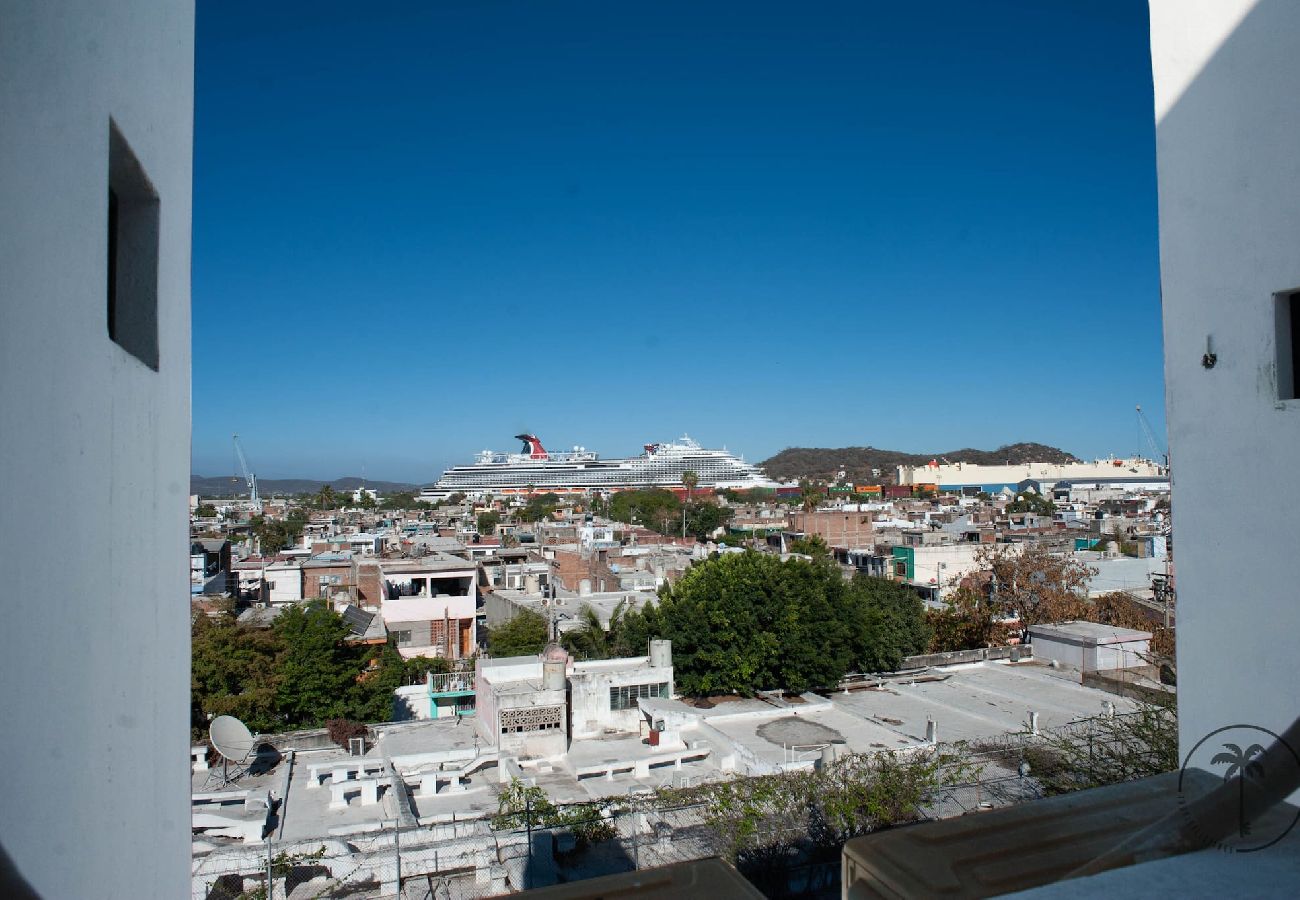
[
  {"x": 524, "y": 635},
  {"x": 1033, "y": 502},
  {"x": 318, "y": 671},
  {"x": 205, "y": 511},
  {"x": 704, "y": 518},
  {"x": 745, "y": 622},
  {"x": 382, "y": 673},
  {"x": 414, "y": 669},
  {"x": 965, "y": 623},
  {"x": 234, "y": 671},
  {"x": 326, "y": 498},
  {"x": 689, "y": 480},
  {"x": 488, "y": 521},
  {"x": 810, "y": 495},
  {"x": 273, "y": 535},
  {"x": 538, "y": 507},
  {"x": 398, "y": 500},
  {"x": 367, "y": 501},
  {"x": 653, "y": 508},
  {"x": 527, "y": 806},
  {"x": 887, "y": 622},
  {"x": 593, "y": 640},
  {"x": 811, "y": 545}
]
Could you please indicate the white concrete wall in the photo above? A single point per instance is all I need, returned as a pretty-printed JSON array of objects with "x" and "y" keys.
[
  {"x": 1228, "y": 129},
  {"x": 411, "y": 702},
  {"x": 94, "y": 767},
  {"x": 944, "y": 565},
  {"x": 288, "y": 584},
  {"x": 590, "y": 712},
  {"x": 970, "y": 473},
  {"x": 1067, "y": 653},
  {"x": 536, "y": 744},
  {"x": 427, "y": 609},
  {"x": 1089, "y": 657}
]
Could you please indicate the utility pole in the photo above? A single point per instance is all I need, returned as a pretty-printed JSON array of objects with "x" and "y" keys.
[
  {"x": 397, "y": 850},
  {"x": 528, "y": 823}
]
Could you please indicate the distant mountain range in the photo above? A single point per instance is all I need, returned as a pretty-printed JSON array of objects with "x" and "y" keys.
[
  {"x": 233, "y": 485},
  {"x": 792, "y": 463},
  {"x": 823, "y": 463}
]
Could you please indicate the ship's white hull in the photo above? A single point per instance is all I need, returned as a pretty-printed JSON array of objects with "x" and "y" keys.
[{"x": 662, "y": 466}]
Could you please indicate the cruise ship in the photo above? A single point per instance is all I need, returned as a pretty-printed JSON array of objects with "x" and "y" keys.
[{"x": 536, "y": 469}]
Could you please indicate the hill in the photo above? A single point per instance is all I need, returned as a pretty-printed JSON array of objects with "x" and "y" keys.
[
  {"x": 823, "y": 463},
  {"x": 232, "y": 486}
]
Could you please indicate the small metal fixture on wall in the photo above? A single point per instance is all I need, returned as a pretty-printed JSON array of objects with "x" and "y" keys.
[{"x": 1210, "y": 357}]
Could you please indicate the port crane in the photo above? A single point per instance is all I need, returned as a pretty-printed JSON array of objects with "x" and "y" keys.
[
  {"x": 249, "y": 478},
  {"x": 1150, "y": 435}
]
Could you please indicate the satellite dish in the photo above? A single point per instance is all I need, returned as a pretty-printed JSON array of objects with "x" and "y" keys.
[
  {"x": 235, "y": 743},
  {"x": 231, "y": 738}
]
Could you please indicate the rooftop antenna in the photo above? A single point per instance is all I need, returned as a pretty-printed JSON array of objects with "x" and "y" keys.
[{"x": 235, "y": 744}]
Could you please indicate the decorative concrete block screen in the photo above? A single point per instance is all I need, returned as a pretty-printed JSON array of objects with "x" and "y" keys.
[{"x": 536, "y": 718}]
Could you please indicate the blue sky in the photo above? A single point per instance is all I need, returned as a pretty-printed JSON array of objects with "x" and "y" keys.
[{"x": 420, "y": 228}]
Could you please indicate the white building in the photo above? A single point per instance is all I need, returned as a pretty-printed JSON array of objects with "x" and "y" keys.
[
  {"x": 284, "y": 582},
  {"x": 430, "y": 605},
  {"x": 521, "y": 705},
  {"x": 1227, "y": 128},
  {"x": 96, "y": 103},
  {"x": 1090, "y": 647},
  {"x": 603, "y": 693},
  {"x": 533, "y": 705},
  {"x": 955, "y": 476}
]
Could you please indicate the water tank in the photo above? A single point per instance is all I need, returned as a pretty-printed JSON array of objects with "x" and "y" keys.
[
  {"x": 661, "y": 654},
  {"x": 532, "y": 583},
  {"x": 584, "y": 587},
  {"x": 552, "y": 675}
]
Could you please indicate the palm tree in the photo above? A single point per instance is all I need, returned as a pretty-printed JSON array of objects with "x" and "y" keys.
[
  {"x": 326, "y": 497},
  {"x": 810, "y": 496},
  {"x": 690, "y": 479},
  {"x": 592, "y": 639},
  {"x": 1244, "y": 765}
]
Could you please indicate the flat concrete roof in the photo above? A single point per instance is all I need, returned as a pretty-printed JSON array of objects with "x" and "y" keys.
[
  {"x": 979, "y": 700},
  {"x": 433, "y": 562},
  {"x": 1089, "y": 633},
  {"x": 967, "y": 702}
]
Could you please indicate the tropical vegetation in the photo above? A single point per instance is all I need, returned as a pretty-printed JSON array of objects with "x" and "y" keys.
[
  {"x": 299, "y": 673},
  {"x": 746, "y": 622}
]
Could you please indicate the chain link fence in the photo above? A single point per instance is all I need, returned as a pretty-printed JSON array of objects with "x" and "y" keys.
[
  {"x": 462, "y": 860},
  {"x": 496, "y": 855}
]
